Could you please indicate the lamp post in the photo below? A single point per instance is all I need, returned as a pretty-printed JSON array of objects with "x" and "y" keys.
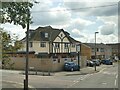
[
  {"x": 27, "y": 54},
  {"x": 95, "y": 49},
  {"x": 78, "y": 50},
  {"x": 27, "y": 48}
]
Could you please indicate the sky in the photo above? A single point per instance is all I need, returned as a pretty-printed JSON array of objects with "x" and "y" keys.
[{"x": 80, "y": 18}]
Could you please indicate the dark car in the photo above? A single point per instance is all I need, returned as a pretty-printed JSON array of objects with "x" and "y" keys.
[
  {"x": 90, "y": 63},
  {"x": 108, "y": 62},
  {"x": 103, "y": 61},
  {"x": 71, "y": 66}
]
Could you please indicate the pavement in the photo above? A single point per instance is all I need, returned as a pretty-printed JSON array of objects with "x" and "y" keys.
[{"x": 83, "y": 71}]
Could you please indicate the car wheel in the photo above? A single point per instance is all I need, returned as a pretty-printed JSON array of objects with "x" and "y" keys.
[{"x": 72, "y": 69}]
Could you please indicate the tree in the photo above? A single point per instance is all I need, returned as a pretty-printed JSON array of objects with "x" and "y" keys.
[
  {"x": 8, "y": 46},
  {"x": 15, "y": 12},
  {"x": 5, "y": 38}
]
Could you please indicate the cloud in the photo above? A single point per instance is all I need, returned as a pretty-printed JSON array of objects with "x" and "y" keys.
[
  {"x": 47, "y": 15},
  {"x": 78, "y": 23},
  {"x": 81, "y": 23},
  {"x": 104, "y": 11},
  {"x": 108, "y": 39},
  {"x": 77, "y": 34},
  {"x": 103, "y": 39},
  {"x": 107, "y": 29},
  {"x": 79, "y": 8},
  {"x": 14, "y": 29}
]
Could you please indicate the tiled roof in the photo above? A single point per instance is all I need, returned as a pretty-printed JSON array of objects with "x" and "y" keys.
[
  {"x": 98, "y": 45},
  {"x": 39, "y": 34}
]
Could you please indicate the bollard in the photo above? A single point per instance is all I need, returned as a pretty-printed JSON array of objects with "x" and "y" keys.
[{"x": 24, "y": 84}]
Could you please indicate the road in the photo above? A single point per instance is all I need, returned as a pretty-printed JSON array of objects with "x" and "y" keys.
[{"x": 106, "y": 78}]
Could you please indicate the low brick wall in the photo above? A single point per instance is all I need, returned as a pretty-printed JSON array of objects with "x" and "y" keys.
[
  {"x": 38, "y": 64},
  {"x": 44, "y": 64}
]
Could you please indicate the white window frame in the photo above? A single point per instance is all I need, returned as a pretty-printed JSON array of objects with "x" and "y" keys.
[
  {"x": 46, "y": 35},
  {"x": 42, "y": 44}
]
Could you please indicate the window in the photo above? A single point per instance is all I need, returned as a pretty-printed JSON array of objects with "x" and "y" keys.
[
  {"x": 43, "y": 44},
  {"x": 92, "y": 49},
  {"x": 102, "y": 49},
  {"x": 73, "y": 45},
  {"x": 61, "y": 35},
  {"x": 57, "y": 45},
  {"x": 66, "y": 45},
  {"x": 46, "y": 35},
  {"x": 31, "y": 44},
  {"x": 97, "y": 49}
]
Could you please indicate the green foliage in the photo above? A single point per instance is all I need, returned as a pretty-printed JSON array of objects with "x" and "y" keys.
[
  {"x": 7, "y": 47},
  {"x": 16, "y": 12}
]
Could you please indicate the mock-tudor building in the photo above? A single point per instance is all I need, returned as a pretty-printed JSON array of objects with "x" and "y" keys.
[
  {"x": 49, "y": 49},
  {"x": 50, "y": 42}
]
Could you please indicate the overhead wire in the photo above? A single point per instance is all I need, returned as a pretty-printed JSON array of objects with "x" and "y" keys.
[{"x": 75, "y": 9}]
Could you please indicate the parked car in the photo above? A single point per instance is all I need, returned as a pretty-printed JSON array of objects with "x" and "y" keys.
[
  {"x": 90, "y": 63},
  {"x": 100, "y": 62},
  {"x": 108, "y": 62},
  {"x": 97, "y": 62},
  {"x": 71, "y": 66},
  {"x": 103, "y": 61}
]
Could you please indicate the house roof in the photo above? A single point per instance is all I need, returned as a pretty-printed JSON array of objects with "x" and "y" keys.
[
  {"x": 39, "y": 34},
  {"x": 98, "y": 45}
]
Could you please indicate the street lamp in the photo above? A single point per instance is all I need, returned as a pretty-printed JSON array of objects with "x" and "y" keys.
[
  {"x": 95, "y": 49},
  {"x": 78, "y": 50}
]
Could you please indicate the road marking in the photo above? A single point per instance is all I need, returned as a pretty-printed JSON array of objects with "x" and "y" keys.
[
  {"x": 115, "y": 82},
  {"x": 102, "y": 70},
  {"x": 78, "y": 80},
  {"x": 116, "y": 76},
  {"x": 104, "y": 83},
  {"x": 19, "y": 84}
]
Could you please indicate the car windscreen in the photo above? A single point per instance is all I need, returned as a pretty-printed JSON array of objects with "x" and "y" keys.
[{"x": 70, "y": 64}]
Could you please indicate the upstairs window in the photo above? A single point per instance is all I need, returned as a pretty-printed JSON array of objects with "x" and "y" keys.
[
  {"x": 42, "y": 44},
  {"x": 73, "y": 45},
  {"x": 66, "y": 45},
  {"x": 97, "y": 50},
  {"x": 102, "y": 49},
  {"x": 46, "y": 35},
  {"x": 93, "y": 49},
  {"x": 61, "y": 35},
  {"x": 31, "y": 44},
  {"x": 57, "y": 45}
]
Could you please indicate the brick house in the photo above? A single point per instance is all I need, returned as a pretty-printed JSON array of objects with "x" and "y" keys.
[
  {"x": 102, "y": 50},
  {"x": 115, "y": 50}
]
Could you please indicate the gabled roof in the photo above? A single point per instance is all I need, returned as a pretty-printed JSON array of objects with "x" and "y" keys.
[{"x": 39, "y": 34}]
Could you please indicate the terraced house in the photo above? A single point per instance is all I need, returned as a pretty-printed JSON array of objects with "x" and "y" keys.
[{"x": 102, "y": 50}]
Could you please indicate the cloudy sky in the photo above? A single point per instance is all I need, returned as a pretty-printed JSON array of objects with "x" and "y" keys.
[{"x": 81, "y": 18}]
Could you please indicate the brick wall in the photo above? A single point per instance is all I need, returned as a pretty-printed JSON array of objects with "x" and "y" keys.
[{"x": 44, "y": 64}]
